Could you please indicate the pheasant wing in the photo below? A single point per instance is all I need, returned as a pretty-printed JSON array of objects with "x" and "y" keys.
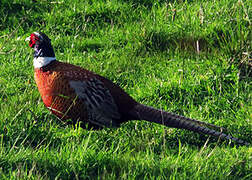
[{"x": 99, "y": 102}]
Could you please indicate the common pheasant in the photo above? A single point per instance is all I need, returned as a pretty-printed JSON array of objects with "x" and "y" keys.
[{"x": 71, "y": 92}]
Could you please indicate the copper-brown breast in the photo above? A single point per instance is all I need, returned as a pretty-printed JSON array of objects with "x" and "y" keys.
[
  {"x": 54, "y": 84},
  {"x": 57, "y": 95}
]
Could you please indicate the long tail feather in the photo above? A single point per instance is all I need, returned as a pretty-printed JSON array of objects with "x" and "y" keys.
[{"x": 143, "y": 112}]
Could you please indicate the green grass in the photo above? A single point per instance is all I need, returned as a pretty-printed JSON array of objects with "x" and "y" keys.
[{"x": 148, "y": 47}]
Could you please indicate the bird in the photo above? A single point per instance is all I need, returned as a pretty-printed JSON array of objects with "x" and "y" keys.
[{"x": 73, "y": 93}]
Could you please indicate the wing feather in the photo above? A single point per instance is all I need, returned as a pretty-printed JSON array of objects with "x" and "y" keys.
[{"x": 100, "y": 103}]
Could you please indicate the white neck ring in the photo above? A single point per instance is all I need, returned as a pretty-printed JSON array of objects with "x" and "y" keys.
[{"x": 42, "y": 61}]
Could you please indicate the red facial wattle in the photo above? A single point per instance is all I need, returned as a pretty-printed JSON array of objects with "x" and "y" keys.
[{"x": 33, "y": 40}]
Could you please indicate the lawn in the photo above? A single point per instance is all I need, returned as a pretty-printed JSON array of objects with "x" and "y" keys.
[{"x": 190, "y": 57}]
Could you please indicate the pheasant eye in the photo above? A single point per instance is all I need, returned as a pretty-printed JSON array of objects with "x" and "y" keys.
[{"x": 33, "y": 40}]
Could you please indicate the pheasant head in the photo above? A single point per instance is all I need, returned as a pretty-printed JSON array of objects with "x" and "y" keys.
[{"x": 43, "y": 50}]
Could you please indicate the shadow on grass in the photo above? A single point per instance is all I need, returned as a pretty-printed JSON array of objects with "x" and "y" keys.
[
  {"x": 219, "y": 40},
  {"x": 246, "y": 70},
  {"x": 52, "y": 163},
  {"x": 92, "y": 167},
  {"x": 90, "y": 47},
  {"x": 96, "y": 163},
  {"x": 106, "y": 16},
  {"x": 14, "y": 13},
  {"x": 198, "y": 140},
  {"x": 163, "y": 41},
  {"x": 62, "y": 46}
]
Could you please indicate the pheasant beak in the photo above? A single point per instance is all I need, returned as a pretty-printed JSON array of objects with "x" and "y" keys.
[{"x": 27, "y": 39}]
